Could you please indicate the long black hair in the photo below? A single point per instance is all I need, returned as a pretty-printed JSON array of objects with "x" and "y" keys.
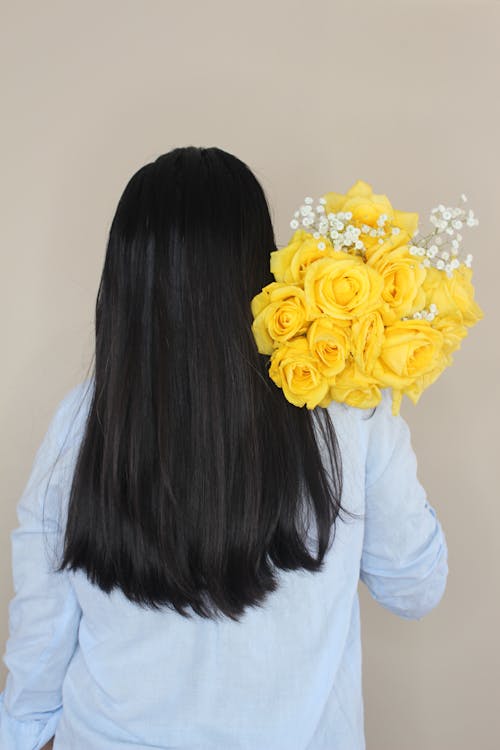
[{"x": 193, "y": 471}]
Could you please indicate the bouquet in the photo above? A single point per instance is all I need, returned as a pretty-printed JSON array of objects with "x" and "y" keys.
[{"x": 362, "y": 302}]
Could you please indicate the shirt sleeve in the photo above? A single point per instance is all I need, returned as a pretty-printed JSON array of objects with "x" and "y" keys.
[
  {"x": 44, "y": 613},
  {"x": 404, "y": 559}
]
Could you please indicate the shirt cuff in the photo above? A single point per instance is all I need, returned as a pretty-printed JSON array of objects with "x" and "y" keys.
[{"x": 26, "y": 734}]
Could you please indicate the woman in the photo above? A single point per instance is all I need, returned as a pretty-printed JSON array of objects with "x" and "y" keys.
[{"x": 205, "y": 536}]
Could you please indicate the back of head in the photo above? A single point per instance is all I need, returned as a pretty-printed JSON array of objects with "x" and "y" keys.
[{"x": 194, "y": 470}]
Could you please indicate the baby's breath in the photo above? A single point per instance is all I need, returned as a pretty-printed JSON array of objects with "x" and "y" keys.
[
  {"x": 423, "y": 314},
  {"x": 441, "y": 248},
  {"x": 333, "y": 226}
]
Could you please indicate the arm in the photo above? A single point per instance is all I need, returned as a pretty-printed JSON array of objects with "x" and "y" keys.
[
  {"x": 44, "y": 613},
  {"x": 404, "y": 560}
]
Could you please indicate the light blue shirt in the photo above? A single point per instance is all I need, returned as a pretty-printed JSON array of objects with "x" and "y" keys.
[{"x": 101, "y": 673}]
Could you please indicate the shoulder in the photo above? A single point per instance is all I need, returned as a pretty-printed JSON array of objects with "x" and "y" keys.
[
  {"x": 77, "y": 399},
  {"x": 359, "y": 429},
  {"x": 365, "y": 417},
  {"x": 70, "y": 416},
  {"x": 56, "y": 453}
]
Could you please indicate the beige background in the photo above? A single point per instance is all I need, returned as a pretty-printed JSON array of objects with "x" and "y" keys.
[{"x": 312, "y": 96}]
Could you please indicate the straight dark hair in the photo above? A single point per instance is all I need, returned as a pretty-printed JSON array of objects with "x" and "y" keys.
[{"x": 194, "y": 471}]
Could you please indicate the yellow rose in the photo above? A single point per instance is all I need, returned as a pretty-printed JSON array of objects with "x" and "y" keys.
[
  {"x": 329, "y": 343},
  {"x": 366, "y": 207},
  {"x": 280, "y": 259},
  {"x": 450, "y": 294},
  {"x": 341, "y": 287},
  {"x": 367, "y": 340},
  {"x": 353, "y": 387},
  {"x": 414, "y": 390},
  {"x": 411, "y": 348},
  {"x": 280, "y": 314},
  {"x": 453, "y": 330},
  {"x": 294, "y": 369},
  {"x": 390, "y": 242},
  {"x": 433, "y": 285},
  {"x": 289, "y": 263},
  {"x": 403, "y": 277},
  {"x": 462, "y": 293}
]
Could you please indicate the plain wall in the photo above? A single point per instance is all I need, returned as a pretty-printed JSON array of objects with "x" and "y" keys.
[{"x": 312, "y": 96}]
